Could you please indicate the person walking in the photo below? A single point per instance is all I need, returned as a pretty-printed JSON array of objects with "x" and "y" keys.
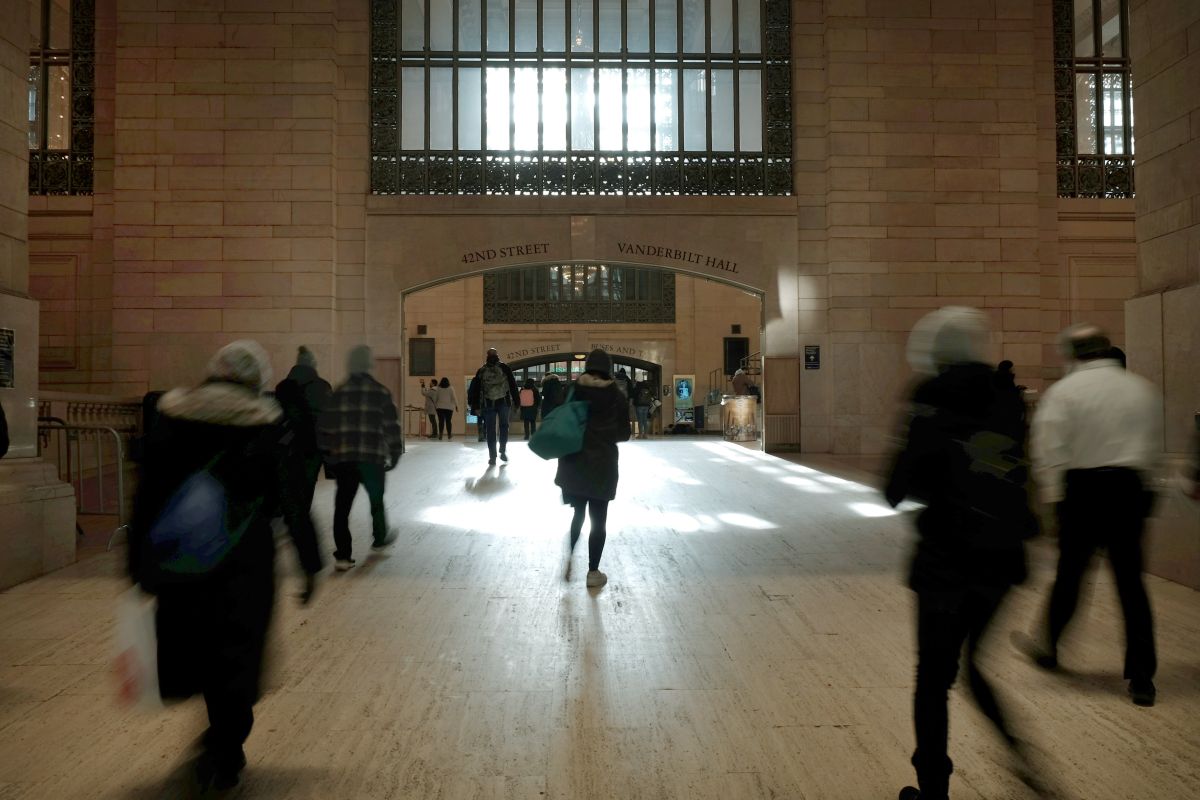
[
  {"x": 963, "y": 456},
  {"x": 552, "y": 394},
  {"x": 1097, "y": 439},
  {"x": 430, "y": 394},
  {"x": 643, "y": 402},
  {"x": 531, "y": 398},
  {"x": 220, "y": 442},
  {"x": 302, "y": 395},
  {"x": 588, "y": 479},
  {"x": 491, "y": 395},
  {"x": 360, "y": 438},
  {"x": 446, "y": 403}
]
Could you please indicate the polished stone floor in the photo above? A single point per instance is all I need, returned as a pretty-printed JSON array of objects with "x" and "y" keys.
[{"x": 754, "y": 641}]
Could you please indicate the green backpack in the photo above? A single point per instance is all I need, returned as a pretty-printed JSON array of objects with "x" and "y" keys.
[{"x": 561, "y": 431}]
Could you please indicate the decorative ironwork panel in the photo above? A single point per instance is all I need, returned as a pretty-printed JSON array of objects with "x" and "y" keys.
[
  {"x": 575, "y": 300},
  {"x": 69, "y": 169},
  {"x": 439, "y": 124}
]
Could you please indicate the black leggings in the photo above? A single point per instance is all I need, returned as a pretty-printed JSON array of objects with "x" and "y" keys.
[
  {"x": 444, "y": 416},
  {"x": 530, "y": 427},
  {"x": 599, "y": 515}
]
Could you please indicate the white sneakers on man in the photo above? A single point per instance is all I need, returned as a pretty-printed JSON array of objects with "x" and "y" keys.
[{"x": 596, "y": 578}]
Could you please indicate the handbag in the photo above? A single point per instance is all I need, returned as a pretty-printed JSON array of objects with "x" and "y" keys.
[
  {"x": 561, "y": 431},
  {"x": 137, "y": 650}
]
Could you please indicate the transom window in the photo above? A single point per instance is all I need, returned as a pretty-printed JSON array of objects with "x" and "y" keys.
[
  {"x": 591, "y": 293},
  {"x": 580, "y": 97},
  {"x": 61, "y": 75},
  {"x": 1094, "y": 100}
]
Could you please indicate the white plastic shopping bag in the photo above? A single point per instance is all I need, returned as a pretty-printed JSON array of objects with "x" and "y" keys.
[{"x": 137, "y": 650}]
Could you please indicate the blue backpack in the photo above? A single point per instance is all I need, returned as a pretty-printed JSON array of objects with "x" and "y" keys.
[{"x": 561, "y": 431}]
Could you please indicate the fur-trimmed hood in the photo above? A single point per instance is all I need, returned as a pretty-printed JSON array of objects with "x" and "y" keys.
[
  {"x": 594, "y": 381},
  {"x": 220, "y": 403}
]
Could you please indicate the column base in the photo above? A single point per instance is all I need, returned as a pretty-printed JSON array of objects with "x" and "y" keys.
[{"x": 38, "y": 534}]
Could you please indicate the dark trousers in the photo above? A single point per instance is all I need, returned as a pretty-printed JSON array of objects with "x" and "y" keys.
[
  {"x": 349, "y": 475},
  {"x": 643, "y": 419},
  {"x": 433, "y": 425},
  {"x": 943, "y": 625},
  {"x": 444, "y": 416},
  {"x": 530, "y": 426},
  {"x": 598, "y": 511},
  {"x": 1105, "y": 508},
  {"x": 495, "y": 422}
]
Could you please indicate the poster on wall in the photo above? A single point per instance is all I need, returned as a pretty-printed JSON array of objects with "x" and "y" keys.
[
  {"x": 8, "y": 372},
  {"x": 684, "y": 394}
]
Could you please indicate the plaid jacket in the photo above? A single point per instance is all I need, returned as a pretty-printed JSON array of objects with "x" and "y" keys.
[{"x": 360, "y": 423}]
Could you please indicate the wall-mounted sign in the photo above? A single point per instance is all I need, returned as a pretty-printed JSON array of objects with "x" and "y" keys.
[
  {"x": 675, "y": 254},
  {"x": 493, "y": 253},
  {"x": 685, "y": 389},
  {"x": 532, "y": 351},
  {"x": 812, "y": 356},
  {"x": 8, "y": 371}
]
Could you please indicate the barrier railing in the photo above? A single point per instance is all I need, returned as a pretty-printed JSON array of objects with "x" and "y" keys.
[{"x": 98, "y": 477}]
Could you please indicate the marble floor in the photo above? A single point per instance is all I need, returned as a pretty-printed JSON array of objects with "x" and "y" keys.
[{"x": 754, "y": 641}]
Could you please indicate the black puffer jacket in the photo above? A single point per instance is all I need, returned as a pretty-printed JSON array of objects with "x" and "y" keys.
[
  {"x": 591, "y": 474},
  {"x": 965, "y": 458},
  {"x": 303, "y": 395}
]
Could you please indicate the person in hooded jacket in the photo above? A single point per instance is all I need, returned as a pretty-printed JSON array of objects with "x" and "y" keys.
[
  {"x": 589, "y": 478},
  {"x": 530, "y": 394},
  {"x": 964, "y": 457},
  {"x": 552, "y": 394},
  {"x": 302, "y": 395},
  {"x": 212, "y": 621}
]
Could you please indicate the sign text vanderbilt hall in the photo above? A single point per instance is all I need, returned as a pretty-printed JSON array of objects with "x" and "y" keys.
[{"x": 674, "y": 254}]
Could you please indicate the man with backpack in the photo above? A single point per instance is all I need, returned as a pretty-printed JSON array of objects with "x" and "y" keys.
[
  {"x": 491, "y": 396},
  {"x": 643, "y": 402}
]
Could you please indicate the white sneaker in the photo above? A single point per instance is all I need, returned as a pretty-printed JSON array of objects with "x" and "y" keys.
[
  {"x": 596, "y": 578},
  {"x": 343, "y": 564}
]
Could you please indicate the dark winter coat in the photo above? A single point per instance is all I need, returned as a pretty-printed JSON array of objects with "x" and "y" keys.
[
  {"x": 591, "y": 474},
  {"x": 965, "y": 458},
  {"x": 303, "y": 395},
  {"x": 3, "y": 433},
  {"x": 552, "y": 396},
  {"x": 529, "y": 413},
  {"x": 474, "y": 391},
  {"x": 212, "y": 627}
]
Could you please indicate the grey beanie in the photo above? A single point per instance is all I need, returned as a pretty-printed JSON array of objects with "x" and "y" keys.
[
  {"x": 360, "y": 360},
  {"x": 244, "y": 361},
  {"x": 305, "y": 357},
  {"x": 599, "y": 361}
]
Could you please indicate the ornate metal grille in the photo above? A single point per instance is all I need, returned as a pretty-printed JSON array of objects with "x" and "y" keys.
[
  {"x": 62, "y": 74},
  {"x": 581, "y": 97},
  {"x": 573, "y": 293},
  {"x": 1093, "y": 98}
]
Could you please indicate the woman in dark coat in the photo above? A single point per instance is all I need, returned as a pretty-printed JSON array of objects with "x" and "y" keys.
[
  {"x": 552, "y": 394},
  {"x": 213, "y": 613},
  {"x": 589, "y": 478},
  {"x": 964, "y": 457},
  {"x": 529, "y": 412}
]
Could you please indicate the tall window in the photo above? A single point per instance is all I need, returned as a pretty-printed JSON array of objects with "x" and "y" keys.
[
  {"x": 576, "y": 97},
  {"x": 61, "y": 76},
  {"x": 1094, "y": 99},
  {"x": 591, "y": 293}
]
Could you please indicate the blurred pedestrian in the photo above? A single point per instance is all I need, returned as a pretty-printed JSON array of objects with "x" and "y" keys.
[
  {"x": 3, "y": 432},
  {"x": 531, "y": 399},
  {"x": 963, "y": 456},
  {"x": 643, "y": 402},
  {"x": 552, "y": 394},
  {"x": 491, "y": 396},
  {"x": 589, "y": 478},
  {"x": 360, "y": 440},
  {"x": 447, "y": 403},
  {"x": 302, "y": 396},
  {"x": 430, "y": 394},
  {"x": 214, "y": 449}
]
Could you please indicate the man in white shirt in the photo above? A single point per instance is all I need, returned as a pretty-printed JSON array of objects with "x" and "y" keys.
[{"x": 1096, "y": 439}]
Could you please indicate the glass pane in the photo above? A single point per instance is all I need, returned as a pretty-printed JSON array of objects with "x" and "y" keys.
[
  {"x": 722, "y": 109},
  {"x": 610, "y": 110},
  {"x": 695, "y": 110},
  {"x": 468, "y": 25},
  {"x": 637, "y": 109},
  {"x": 35, "y": 126},
  {"x": 441, "y": 21},
  {"x": 1113, "y": 102},
  {"x": 412, "y": 24},
  {"x": 666, "y": 114},
  {"x": 1085, "y": 113},
  {"x": 526, "y": 26},
  {"x": 60, "y": 24},
  {"x": 554, "y": 25},
  {"x": 469, "y": 137},
  {"x": 664, "y": 27},
  {"x": 441, "y": 109},
  {"x": 554, "y": 109},
  {"x": 525, "y": 109},
  {"x": 610, "y": 26},
  {"x": 582, "y": 40},
  {"x": 497, "y": 28},
  {"x": 1110, "y": 28},
  {"x": 637, "y": 35},
  {"x": 749, "y": 30},
  {"x": 412, "y": 108},
  {"x": 722, "y": 25},
  {"x": 1085, "y": 40},
  {"x": 58, "y": 115},
  {"x": 583, "y": 103},
  {"x": 750, "y": 111},
  {"x": 498, "y": 96},
  {"x": 693, "y": 26}
]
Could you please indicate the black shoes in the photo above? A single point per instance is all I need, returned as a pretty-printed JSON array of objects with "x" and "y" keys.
[
  {"x": 491, "y": 462},
  {"x": 1142, "y": 692},
  {"x": 910, "y": 793},
  {"x": 503, "y": 456}
]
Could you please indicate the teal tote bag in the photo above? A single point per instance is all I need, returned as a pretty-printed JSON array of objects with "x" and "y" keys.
[{"x": 561, "y": 431}]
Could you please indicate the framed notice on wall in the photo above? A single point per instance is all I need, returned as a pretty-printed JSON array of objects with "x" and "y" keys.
[{"x": 8, "y": 371}]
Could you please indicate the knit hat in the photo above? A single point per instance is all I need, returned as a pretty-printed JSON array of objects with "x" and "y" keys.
[
  {"x": 244, "y": 361},
  {"x": 599, "y": 361},
  {"x": 305, "y": 358},
  {"x": 950, "y": 335},
  {"x": 1083, "y": 341},
  {"x": 360, "y": 360}
]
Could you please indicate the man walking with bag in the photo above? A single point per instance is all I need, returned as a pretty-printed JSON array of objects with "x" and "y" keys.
[{"x": 491, "y": 396}]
